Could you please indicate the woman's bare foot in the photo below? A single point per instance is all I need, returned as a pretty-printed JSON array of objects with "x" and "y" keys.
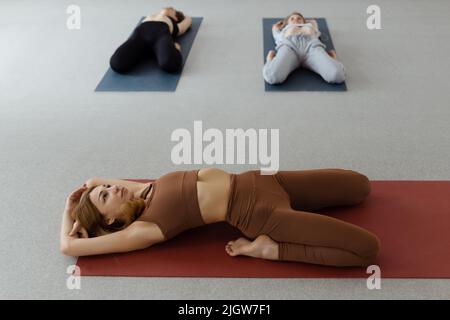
[
  {"x": 262, "y": 247},
  {"x": 271, "y": 55},
  {"x": 332, "y": 54}
]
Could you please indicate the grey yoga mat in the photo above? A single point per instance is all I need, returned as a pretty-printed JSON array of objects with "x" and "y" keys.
[
  {"x": 301, "y": 79},
  {"x": 147, "y": 76}
]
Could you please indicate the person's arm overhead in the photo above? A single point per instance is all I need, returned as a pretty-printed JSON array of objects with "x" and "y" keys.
[
  {"x": 184, "y": 25},
  {"x": 139, "y": 235},
  {"x": 276, "y": 30}
]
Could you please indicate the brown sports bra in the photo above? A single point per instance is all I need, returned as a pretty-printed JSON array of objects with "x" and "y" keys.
[{"x": 173, "y": 204}]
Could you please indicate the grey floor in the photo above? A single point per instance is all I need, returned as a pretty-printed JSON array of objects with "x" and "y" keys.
[{"x": 56, "y": 132}]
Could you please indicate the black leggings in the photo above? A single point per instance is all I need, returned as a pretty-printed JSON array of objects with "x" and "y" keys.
[{"x": 148, "y": 39}]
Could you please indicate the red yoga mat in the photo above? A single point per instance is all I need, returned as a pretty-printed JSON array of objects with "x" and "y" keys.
[{"x": 411, "y": 218}]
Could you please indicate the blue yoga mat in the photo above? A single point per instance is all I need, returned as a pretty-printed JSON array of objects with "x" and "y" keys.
[
  {"x": 301, "y": 79},
  {"x": 147, "y": 76}
]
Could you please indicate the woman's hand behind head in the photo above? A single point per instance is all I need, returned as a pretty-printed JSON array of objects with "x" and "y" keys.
[
  {"x": 73, "y": 199},
  {"x": 278, "y": 25},
  {"x": 169, "y": 11},
  {"x": 78, "y": 230}
]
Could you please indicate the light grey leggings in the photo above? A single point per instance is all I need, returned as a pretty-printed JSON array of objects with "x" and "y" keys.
[{"x": 313, "y": 57}]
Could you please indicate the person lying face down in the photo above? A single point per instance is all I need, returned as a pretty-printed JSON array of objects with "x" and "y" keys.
[
  {"x": 273, "y": 212},
  {"x": 298, "y": 45},
  {"x": 155, "y": 36}
]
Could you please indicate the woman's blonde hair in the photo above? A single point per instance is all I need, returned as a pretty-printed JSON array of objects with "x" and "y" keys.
[{"x": 94, "y": 222}]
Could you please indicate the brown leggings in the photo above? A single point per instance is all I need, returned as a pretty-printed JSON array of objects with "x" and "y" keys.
[{"x": 277, "y": 205}]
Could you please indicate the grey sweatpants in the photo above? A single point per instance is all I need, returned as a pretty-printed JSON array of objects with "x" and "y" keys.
[{"x": 303, "y": 51}]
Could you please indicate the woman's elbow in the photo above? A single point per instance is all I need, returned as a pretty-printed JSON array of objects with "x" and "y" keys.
[
  {"x": 67, "y": 249},
  {"x": 64, "y": 248},
  {"x": 91, "y": 182}
]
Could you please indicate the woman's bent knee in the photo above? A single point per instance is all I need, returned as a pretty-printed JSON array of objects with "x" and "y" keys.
[
  {"x": 335, "y": 75},
  {"x": 272, "y": 77},
  {"x": 360, "y": 186},
  {"x": 171, "y": 65},
  {"x": 117, "y": 65},
  {"x": 369, "y": 252},
  {"x": 363, "y": 185}
]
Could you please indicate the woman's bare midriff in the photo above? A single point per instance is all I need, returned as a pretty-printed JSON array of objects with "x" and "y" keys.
[
  {"x": 160, "y": 18},
  {"x": 213, "y": 191}
]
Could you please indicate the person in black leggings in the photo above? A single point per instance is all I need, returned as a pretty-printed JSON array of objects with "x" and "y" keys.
[{"x": 153, "y": 37}]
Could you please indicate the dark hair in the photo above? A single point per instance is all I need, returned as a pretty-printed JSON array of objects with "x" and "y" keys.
[{"x": 179, "y": 15}]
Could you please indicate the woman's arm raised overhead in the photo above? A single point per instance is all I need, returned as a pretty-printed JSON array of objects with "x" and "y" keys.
[
  {"x": 276, "y": 30},
  {"x": 138, "y": 235},
  {"x": 184, "y": 25}
]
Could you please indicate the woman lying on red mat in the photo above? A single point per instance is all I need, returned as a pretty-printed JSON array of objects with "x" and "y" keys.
[{"x": 274, "y": 212}]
